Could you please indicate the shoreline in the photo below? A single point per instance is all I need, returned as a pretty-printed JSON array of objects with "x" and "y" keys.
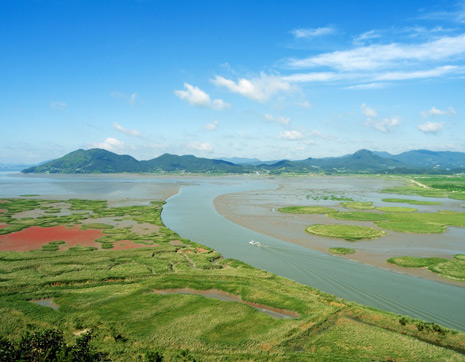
[{"x": 290, "y": 228}]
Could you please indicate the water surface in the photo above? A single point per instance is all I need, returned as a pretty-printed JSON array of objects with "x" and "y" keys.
[{"x": 191, "y": 214}]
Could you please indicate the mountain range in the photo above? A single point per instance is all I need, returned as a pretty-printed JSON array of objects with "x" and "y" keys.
[{"x": 363, "y": 161}]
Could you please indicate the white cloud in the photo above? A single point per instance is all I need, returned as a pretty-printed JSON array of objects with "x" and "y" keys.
[
  {"x": 421, "y": 31},
  {"x": 194, "y": 95},
  {"x": 386, "y": 55},
  {"x": 291, "y": 135},
  {"x": 219, "y": 104},
  {"x": 368, "y": 86},
  {"x": 376, "y": 79},
  {"x": 281, "y": 120},
  {"x": 258, "y": 89},
  {"x": 368, "y": 111},
  {"x": 383, "y": 125},
  {"x": 110, "y": 144},
  {"x": 131, "y": 99},
  {"x": 312, "y": 33},
  {"x": 431, "y": 127},
  {"x": 311, "y": 77},
  {"x": 130, "y": 132},
  {"x": 198, "y": 146},
  {"x": 429, "y": 73},
  {"x": 437, "y": 112},
  {"x": 198, "y": 98},
  {"x": 456, "y": 15},
  {"x": 212, "y": 126},
  {"x": 362, "y": 38},
  {"x": 58, "y": 105}
]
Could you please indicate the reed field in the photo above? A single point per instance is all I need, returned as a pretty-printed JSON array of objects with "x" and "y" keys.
[{"x": 97, "y": 288}]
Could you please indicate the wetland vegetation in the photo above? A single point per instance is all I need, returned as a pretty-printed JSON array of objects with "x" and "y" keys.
[
  {"x": 110, "y": 292},
  {"x": 452, "y": 269},
  {"x": 346, "y": 232},
  {"x": 410, "y": 201},
  {"x": 343, "y": 251},
  {"x": 307, "y": 210},
  {"x": 399, "y": 219}
]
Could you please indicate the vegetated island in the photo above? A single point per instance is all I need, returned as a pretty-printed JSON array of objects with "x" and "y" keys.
[
  {"x": 268, "y": 212},
  {"x": 107, "y": 304},
  {"x": 363, "y": 161}
]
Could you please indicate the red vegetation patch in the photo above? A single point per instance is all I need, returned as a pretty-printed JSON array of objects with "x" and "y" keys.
[
  {"x": 3, "y": 211},
  {"x": 34, "y": 237},
  {"x": 3, "y": 226}
]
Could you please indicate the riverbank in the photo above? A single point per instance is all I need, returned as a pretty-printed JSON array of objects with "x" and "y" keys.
[
  {"x": 177, "y": 298},
  {"x": 257, "y": 211}
]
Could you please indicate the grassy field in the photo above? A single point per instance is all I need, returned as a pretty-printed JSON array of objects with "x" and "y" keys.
[
  {"x": 396, "y": 209},
  {"x": 346, "y": 232},
  {"x": 412, "y": 202},
  {"x": 395, "y": 218},
  {"x": 111, "y": 293},
  {"x": 415, "y": 262},
  {"x": 451, "y": 269},
  {"x": 342, "y": 251},
  {"x": 307, "y": 210},
  {"x": 358, "y": 205},
  {"x": 432, "y": 186},
  {"x": 410, "y": 222}
]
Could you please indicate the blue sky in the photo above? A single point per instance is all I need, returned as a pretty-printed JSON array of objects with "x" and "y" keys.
[{"x": 266, "y": 79}]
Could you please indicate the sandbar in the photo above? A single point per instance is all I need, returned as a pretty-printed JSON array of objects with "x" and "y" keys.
[{"x": 257, "y": 211}]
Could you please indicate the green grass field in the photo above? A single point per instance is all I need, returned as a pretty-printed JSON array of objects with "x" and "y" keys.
[
  {"x": 432, "y": 186},
  {"x": 110, "y": 292},
  {"x": 346, "y": 232},
  {"x": 408, "y": 222},
  {"x": 451, "y": 269},
  {"x": 307, "y": 210},
  {"x": 358, "y": 205},
  {"x": 415, "y": 262},
  {"x": 342, "y": 251},
  {"x": 396, "y": 209},
  {"x": 412, "y": 202}
]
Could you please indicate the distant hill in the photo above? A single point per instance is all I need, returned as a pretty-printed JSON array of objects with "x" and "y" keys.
[
  {"x": 4, "y": 167},
  {"x": 432, "y": 159},
  {"x": 101, "y": 161},
  {"x": 90, "y": 161},
  {"x": 363, "y": 161},
  {"x": 242, "y": 160},
  {"x": 173, "y": 163}
]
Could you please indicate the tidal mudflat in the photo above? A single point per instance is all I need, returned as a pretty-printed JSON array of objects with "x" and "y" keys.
[{"x": 259, "y": 211}]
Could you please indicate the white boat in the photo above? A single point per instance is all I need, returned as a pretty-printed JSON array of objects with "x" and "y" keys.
[{"x": 253, "y": 242}]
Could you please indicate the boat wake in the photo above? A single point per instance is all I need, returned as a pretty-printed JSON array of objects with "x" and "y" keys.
[{"x": 256, "y": 243}]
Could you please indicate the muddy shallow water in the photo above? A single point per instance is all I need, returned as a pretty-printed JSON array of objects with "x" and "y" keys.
[{"x": 257, "y": 210}]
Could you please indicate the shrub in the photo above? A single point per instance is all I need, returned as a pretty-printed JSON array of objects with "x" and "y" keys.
[{"x": 49, "y": 345}]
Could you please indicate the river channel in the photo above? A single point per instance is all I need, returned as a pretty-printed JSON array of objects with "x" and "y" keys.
[{"x": 191, "y": 214}]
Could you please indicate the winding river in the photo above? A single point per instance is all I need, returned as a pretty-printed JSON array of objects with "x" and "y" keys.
[{"x": 191, "y": 214}]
